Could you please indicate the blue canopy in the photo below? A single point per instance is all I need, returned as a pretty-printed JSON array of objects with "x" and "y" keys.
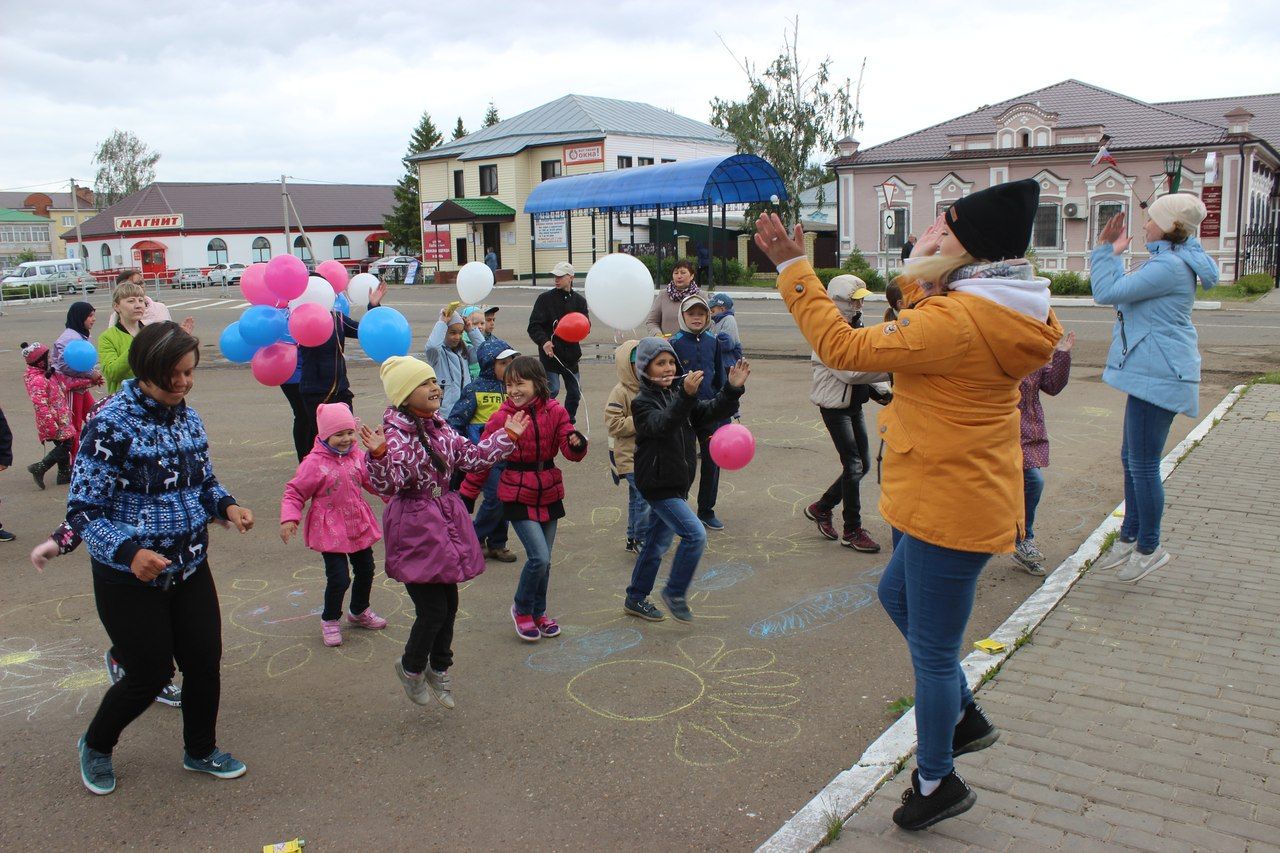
[{"x": 736, "y": 179}]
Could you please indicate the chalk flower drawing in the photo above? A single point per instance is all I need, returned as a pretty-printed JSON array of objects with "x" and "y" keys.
[
  {"x": 35, "y": 678},
  {"x": 715, "y": 701}
]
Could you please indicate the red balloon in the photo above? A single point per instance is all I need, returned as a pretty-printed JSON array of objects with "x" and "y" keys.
[
  {"x": 732, "y": 446},
  {"x": 573, "y": 327}
]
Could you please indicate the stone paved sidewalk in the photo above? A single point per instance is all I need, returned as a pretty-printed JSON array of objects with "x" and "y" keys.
[{"x": 1143, "y": 716}]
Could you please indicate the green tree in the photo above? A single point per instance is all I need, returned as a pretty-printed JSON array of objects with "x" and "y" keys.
[
  {"x": 459, "y": 130},
  {"x": 792, "y": 115},
  {"x": 125, "y": 165},
  {"x": 491, "y": 116},
  {"x": 404, "y": 224}
]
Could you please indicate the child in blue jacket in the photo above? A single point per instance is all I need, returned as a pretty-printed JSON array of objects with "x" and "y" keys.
[{"x": 699, "y": 348}]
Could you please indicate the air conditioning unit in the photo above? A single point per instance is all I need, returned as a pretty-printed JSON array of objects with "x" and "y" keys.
[{"x": 1075, "y": 210}]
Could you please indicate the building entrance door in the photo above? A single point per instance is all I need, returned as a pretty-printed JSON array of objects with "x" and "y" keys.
[
  {"x": 493, "y": 240},
  {"x": 462, "y": 250}
]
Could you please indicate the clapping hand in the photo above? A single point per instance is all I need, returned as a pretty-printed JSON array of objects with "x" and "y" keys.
[
  {"x": 516, "y": 424},
  {"x": 188, "y": 325},
  {"x": 1113, "y": 233},
  {"x": 1066, "y": 342},
  {"x": 372, "y": 439},
  {"x": 931, "y": 240},
  {"x": 375, "y": 298},
  {"x": 692, "y": 382},
  {"x": 773, "y": 239},
  {"x": 739, "y": 372}
]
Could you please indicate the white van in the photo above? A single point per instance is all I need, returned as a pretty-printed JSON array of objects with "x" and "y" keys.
[{"x": 31, "y": 272}]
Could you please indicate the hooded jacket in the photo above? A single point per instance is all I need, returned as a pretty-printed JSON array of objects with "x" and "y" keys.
[
  {"x": 339, "y": 520},
  {"x": 481, "y": 397},
  {"x": 48, "y": 395},
  {"x": 429, "y": 534},
  {"x": 953, "y": 466},
  {"x": 667, "y": 423},
  {"x": 726, "y": 328},
  {"x": 840, "y": 389},
  {"x": 700, "y": 351},
  {"x": 531, "y": 477},
  {"x": 617, "y": 413},
  {"x": 452, "y": 367},
  {"x": 1154, "y": 351}
]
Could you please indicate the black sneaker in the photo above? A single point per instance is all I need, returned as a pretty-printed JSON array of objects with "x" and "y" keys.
[
  {"x": 6, "y": 536},
  {"x": 973, "y": 732},
  {"x": 644, "y": 609},
  {"x": 678, "y": 606},
  {"x": 634, "y": 545},
  {"x": 951, "y": 798}
]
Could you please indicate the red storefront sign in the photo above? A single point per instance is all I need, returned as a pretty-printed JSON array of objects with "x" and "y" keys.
[
  {"x": 1212, "y": 224},
  {"x": 149, "y": 223},
  {"x": 577, "y": 155}
]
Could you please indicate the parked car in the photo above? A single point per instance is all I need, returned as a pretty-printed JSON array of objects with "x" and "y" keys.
[
  {"x": 226, "y": 273},
  {"x": 395, "y": 261},
  {"x": 191, "y": 277},
  {"x": 72, "y": 282}
]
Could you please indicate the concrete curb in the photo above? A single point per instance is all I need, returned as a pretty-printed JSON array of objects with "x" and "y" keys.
[
  {"x": 850, "y": 790},
  {"x": 765, "y": 293},
  {"x": 18, "y": 303}
]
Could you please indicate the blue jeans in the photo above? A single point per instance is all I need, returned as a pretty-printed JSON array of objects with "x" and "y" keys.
[
  {"x": 928, "y": 591},
  {"x": 1146, "y": 427},
  {"x": 572, "y": 391},
  {"x": 637, "y": 509},
  {"x": 668, "y": 518},
  {"x": 1032, "y": 489},
  {"x": 491, "y": 526},
  {"x": 537, "y": 537}
]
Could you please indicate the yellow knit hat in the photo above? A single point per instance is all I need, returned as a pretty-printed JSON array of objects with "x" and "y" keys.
[{"x": 401, "y": 374}]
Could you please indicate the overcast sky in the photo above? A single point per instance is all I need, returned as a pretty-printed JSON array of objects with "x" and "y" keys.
[{"x": 330, "y": 90}]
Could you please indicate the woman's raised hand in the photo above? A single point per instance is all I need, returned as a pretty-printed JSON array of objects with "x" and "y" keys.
[
  {"x": 739, "y": 372},
  {"x": 516, "y": 424},
  {"x": 372, "y": 439},
  {"x": 931, "y": 239},
  {"x": 1113, "y": 233},
  {"x": 772, "y": 239}
]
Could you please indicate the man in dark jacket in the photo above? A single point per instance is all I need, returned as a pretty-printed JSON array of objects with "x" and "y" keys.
[
  {"x": 699, "y": 348},
  {"x": 324, "y": 368},
  {"x": 559, "y": 357},
  {"x": 6, "y": 459}
]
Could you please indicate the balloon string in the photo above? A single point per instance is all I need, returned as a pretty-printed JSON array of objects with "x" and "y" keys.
[{"x": 582, "y": 401}]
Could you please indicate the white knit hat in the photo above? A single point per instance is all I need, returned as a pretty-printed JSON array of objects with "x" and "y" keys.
[{"x": 1176, "y": 209}]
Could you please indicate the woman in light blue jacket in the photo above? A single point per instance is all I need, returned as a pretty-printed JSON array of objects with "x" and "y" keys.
[{"x": 1153, "y": 358}]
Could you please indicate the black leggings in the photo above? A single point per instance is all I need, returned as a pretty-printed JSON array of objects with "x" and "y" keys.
[
  {"x": 59, "y": 455},
  {"x": 431, "y": 639},
  {"x": 150, "y": 628},
  {"x": 335, "y": 569},
  {"x": 294, "y": 396}
]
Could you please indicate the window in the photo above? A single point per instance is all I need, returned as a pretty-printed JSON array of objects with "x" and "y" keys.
[
  {"x": 301, "y": 249},
  {"x": 217, "y": 250},
  {"x": 39, "y": 233},
  {"x": 1102, "y": 213},
  {"x": 261, "y": 250},
  {"x": 668, "y": 159},
  {"x": 488, "y": 180},
  {"x": 550, "y": 169},
  {"x": 1025, "y": 139},
  {"x": 458, "y": 186},
  {"x": 895, "y": 240},
  {"x": 1046, "y": 234},
  {"x": 105, "y": 253},
  {"x": 341, "y": 247},
  {"x": 625, "y": 162},
  {"x": 68, "y": 221},
  {"x": 644, "y": 161}
]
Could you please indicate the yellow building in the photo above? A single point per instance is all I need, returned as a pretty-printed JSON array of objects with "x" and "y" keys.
[
  {"x": 56, "y": 207},
  {"x": 488, "y": 174}
]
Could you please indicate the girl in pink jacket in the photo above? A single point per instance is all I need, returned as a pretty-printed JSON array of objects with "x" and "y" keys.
[
  {"x": 49, "y": 391},
  {"x": 340, "y": 524}
]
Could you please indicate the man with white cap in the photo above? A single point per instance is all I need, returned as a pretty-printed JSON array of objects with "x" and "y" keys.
[{"x": 558, "y": 356}]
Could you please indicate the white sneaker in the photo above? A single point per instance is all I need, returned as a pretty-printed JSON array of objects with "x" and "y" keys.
[
  {"x": 1140, "y": 565},
  {"x": 1029, "y": 558},
  {"x": 1117, "y": 556}
]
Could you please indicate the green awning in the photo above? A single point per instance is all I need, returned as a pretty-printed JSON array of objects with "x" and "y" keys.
[{"x": 483, "y": 209}]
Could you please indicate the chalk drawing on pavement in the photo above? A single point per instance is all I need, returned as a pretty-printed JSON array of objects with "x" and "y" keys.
[{"x": 818, "y": 610}]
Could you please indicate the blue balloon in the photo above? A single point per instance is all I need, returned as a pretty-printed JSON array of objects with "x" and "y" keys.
[
  {"x": 234, "y": 347},
  {"x": 80, "y": 356},
  {"x": 262, "y": 325},
  {"x": 385, "y": 332},
  {"x": 342, "y": 304}
]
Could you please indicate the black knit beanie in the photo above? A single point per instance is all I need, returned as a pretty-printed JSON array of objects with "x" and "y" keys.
[{"x": 995, "y": 224}]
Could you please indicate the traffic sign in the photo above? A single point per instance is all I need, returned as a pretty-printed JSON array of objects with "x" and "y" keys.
[{"x": 890, "y": 222}]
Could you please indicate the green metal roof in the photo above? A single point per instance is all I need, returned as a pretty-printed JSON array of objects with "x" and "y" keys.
[
  {"x": 484, "y": 206},
  {"x": 8, "y": 215}
]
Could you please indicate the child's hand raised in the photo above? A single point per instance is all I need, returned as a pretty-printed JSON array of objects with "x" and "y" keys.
[
  {"x": 692, "y": 382},
  {"x": 1066, "y": 342},
  {"x": 287, "y": 529},
  {"x": 739, "y": 372},
  {"x": 516, "y": 424},
  {"x": 372, "y": 439}
]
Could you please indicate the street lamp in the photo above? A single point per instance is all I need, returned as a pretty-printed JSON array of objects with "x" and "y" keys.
[{"x": 1173, "y": 170}]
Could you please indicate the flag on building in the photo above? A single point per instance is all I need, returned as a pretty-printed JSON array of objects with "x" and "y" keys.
[{"x": 1103, "y": 156}]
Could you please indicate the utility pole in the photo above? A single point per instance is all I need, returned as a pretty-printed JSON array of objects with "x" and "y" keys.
[
  {"x": 75, "y": 210},
  {"x": 284, "y": 210}
]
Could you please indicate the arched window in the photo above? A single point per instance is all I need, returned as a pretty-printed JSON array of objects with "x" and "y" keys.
[
  {"x": 341, "y": 247},
  {"x": 217, "y": 250},
  {"x": 261, "y": 250},
  {"x": 300, "y": 248},
  {"x": 1025, "y": 138},
  {"x": 105, "y": 253}
]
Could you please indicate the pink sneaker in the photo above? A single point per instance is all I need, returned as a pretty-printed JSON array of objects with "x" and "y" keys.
[
  {"x": 547, "y": 626},
  {"x": 368, "y": 619},
  {"x": 332, "y": 632}
]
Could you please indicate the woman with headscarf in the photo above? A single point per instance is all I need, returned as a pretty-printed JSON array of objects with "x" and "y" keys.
[
  {"x": 80, "y": 318},
  {"x": 664, "y": 316}
]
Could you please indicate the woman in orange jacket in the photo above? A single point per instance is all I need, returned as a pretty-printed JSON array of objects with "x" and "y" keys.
[{"x": 978, "y": 321}]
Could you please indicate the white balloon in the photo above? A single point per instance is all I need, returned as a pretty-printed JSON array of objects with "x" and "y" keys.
[
  {"x": 316, "y": 292},
  {"x": 620, "y": 290},
  {"x": 475, "y": 282},
  {"x": 359, "y": 289}
]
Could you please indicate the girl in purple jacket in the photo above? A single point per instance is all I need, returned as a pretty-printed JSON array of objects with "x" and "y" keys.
[
  {"x": 431, "y": 544},
  {"x": 1050, "y": 379}
]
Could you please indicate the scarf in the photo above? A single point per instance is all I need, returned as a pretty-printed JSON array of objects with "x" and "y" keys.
[
  {"x": 335, "y": 450},
  {"x": 77, "y": 314},
  {"x": 677, "y": 296},
  {"x": 1012, "y": 284},
  {"x": 1019, "y": 269}
]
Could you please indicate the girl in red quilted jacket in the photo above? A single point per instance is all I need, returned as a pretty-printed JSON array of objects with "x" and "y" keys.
[
  {"x": 49, "y": 391},
  {"x": 531, "y": 487}
]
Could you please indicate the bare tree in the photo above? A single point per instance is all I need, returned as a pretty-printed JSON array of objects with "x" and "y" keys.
[{"x": 125, "y": 165}]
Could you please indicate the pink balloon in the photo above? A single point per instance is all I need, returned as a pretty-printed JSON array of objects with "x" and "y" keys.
[
  {"x": 733, "y": 446},
  {"x": 286, "y": 276},
  {"x": 273, "y": 365},
  {"x": 310, "y": 324},
  {"x": 253, "y": 286},
  {"x": 334, "y": 273}
]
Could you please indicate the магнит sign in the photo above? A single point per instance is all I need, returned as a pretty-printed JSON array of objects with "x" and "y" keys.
[{"x": 166, "y": 222}]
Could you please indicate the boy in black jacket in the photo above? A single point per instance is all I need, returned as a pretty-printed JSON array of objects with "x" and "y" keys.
[
  {"x": 559, "y": 357},
  {"x": 668, "y": 416}
]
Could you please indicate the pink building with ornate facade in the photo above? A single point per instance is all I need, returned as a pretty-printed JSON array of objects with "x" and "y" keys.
[{"x": 1227, "y": 148}]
